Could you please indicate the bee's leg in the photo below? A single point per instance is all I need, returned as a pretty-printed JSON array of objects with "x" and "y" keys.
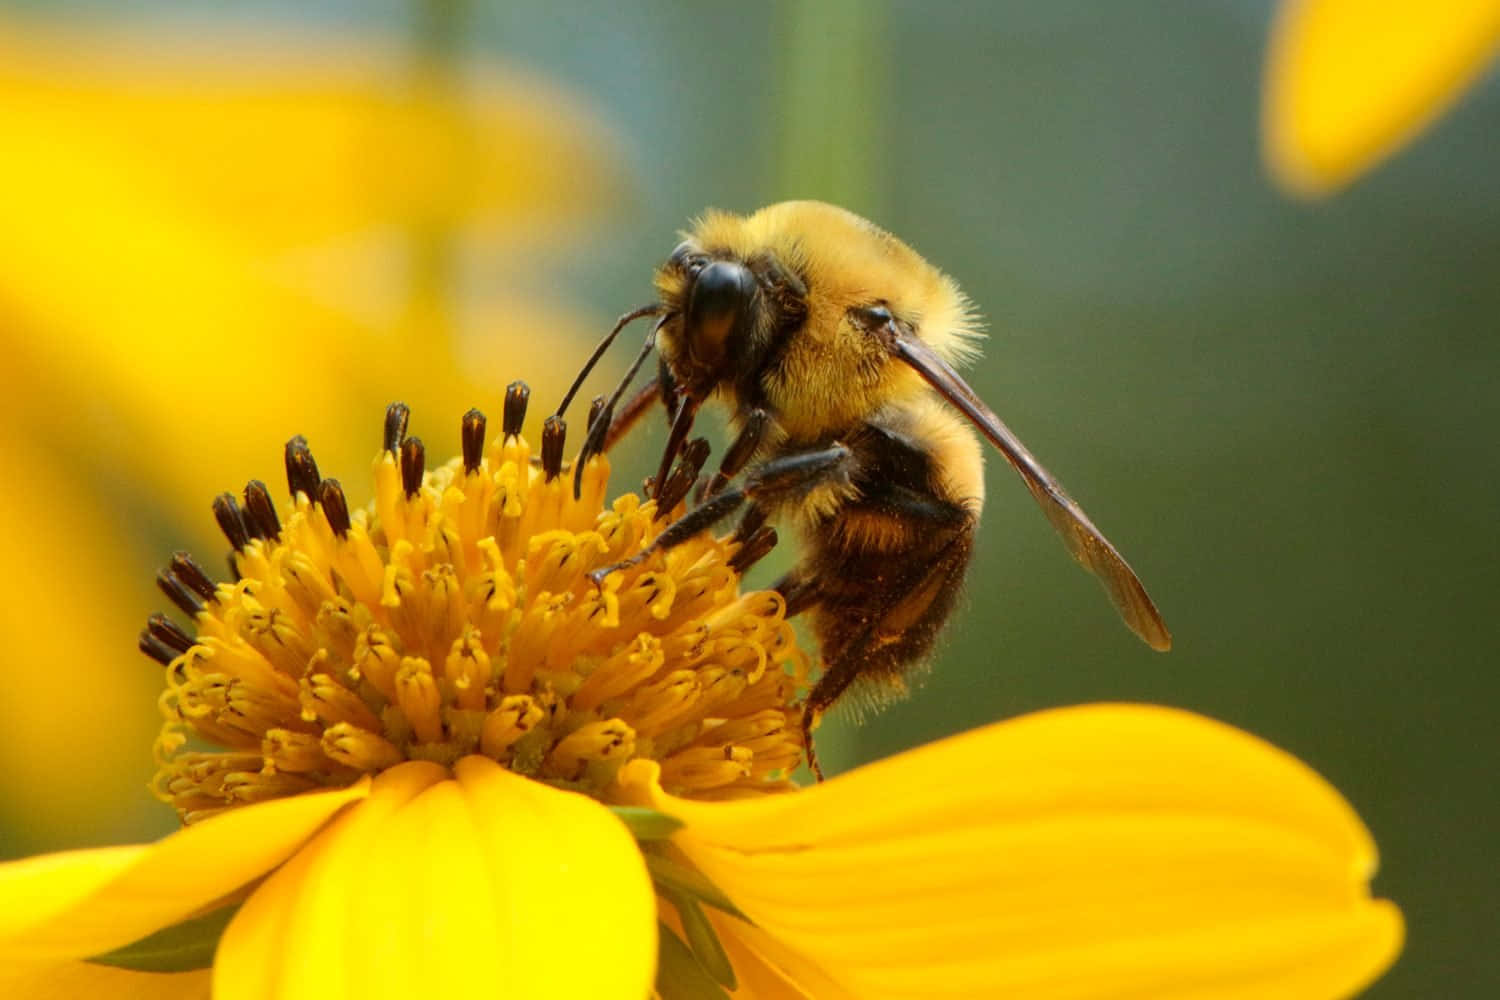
[
  {"x": 799, "y": 589},
  {"x": 756, "y": 539},
  {"x": 781, "y": 478},
  {"x": 682, "y": 424},
  {"x": 670, "y": 492},
  {"x": 898, "y": 631},
  {"x": 739, "y": 452}
]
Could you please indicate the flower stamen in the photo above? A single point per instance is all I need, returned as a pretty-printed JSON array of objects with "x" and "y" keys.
[{"x": 455, "y": 614}]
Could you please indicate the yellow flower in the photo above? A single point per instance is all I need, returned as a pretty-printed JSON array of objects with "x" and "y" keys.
[
  {"x": 437, "y": 746},
  {"x": 1348, "y": 82},
  {"x": 182, "y": 208}
]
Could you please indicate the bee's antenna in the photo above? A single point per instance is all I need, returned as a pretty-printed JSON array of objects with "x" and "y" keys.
[
  {"x": 600, "y": 426},
  {"x": 630, "y": 414},
  {"x": 588, "y": 366}
]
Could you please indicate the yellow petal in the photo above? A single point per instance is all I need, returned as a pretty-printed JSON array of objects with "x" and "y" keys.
[
  {"x": 431, "y": 886},
  {"x": 83, "y": 903},
  {"x": 1350, "y": 81},
  {"x": 259, "y": 954},
  {"x": 79, "y": 979},
  {"x": 1102, "y": 851}
]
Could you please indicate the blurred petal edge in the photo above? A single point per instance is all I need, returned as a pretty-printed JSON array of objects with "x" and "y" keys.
[{"x": 1348, "y": 82}]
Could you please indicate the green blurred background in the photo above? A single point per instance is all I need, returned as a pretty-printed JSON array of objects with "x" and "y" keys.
[{"x": 1283, "y": 414}]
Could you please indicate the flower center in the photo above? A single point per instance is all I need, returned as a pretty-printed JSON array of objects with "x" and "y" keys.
[{"x": 455, "y": 615}]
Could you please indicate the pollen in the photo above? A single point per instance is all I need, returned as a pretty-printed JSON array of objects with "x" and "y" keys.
[{"x": 455, "y": 614}]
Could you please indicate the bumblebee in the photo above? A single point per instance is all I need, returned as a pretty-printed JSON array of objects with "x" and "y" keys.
[{"x": 833, "y": 345}]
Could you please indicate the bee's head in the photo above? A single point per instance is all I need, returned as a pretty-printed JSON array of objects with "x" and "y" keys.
[{"x": 729, "y": 313}]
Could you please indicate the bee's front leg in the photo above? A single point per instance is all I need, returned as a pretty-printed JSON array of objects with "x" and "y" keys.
[
  {"x": 780, "y": 479},
  {"x": 739, "y": 453}
]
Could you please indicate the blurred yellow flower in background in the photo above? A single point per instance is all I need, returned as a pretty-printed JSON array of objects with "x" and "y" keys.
[
  {"x": 1348, "y": 82},
  {"x": 411, "y": 741},
  {"x": 209, "y": 222}
]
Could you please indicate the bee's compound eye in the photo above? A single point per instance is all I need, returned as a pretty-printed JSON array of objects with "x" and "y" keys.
[
  {"x": 722, "y": 287},
  {"x": 720, "y": 297}
]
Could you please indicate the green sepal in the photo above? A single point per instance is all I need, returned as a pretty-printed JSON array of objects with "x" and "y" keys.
[
  {"x": 679, "y": 975},
  {"x": 646, "y": 823},
  {"x": 673, "y": 877},
  {"x": 703, "y": 939},
  {"x": 180, "y": 948}
]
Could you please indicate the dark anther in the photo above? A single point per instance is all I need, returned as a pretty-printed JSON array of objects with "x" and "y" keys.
[
  {"x": 413, "y": 465},
  {"x": 260, "y": 511},
  {"x": 155, "y": 648},
  {"x": 249, "y": 523},
  {"x": 601, "y": 415},
  {"x": 471, "y": 431},
  {"x": 755, "y": 517},
  {"x": 231, "y": 521},
  {"x": 335, "y": 507},
  {"x": 187, "y": 571},
  {"x": 396, "y": 416},
  {"x": 554, "y": 436},
  {"x": 596, "y": 410},
  {"x": 517, "y": 395},
  {"x": 178, "y": 594},
  {"x": 753, "y": 550},
  {"x": 168, "y": 633},
  {"x": 301, "y": 471}
]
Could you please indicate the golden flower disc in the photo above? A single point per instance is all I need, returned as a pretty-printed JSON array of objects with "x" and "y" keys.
[{"x": 456, "y": 615}]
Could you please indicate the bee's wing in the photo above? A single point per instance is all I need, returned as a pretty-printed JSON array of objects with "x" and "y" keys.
[{"x": 1083, "y": 540}]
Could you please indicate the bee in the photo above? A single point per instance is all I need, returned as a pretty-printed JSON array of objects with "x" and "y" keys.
[{"x": 833, "y": 345}]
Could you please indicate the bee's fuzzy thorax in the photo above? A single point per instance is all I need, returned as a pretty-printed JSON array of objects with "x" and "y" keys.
[
  {"x": 831, "y": 374},
  {"x": 848, "y": 261}
]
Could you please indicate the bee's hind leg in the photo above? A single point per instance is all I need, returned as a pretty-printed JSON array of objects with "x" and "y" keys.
[{"x": 898, "y": 621}]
